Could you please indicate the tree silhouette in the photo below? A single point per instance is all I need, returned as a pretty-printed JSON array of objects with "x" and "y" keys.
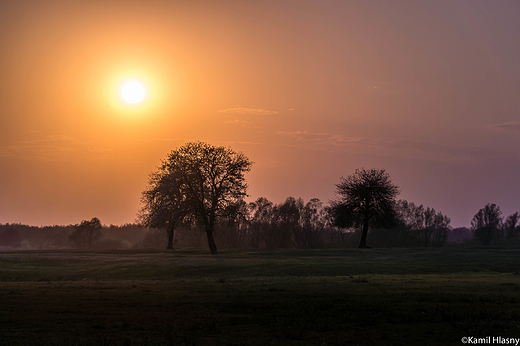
[
  {"x": 512, "y": 226},
  {"x": 486, "y": 223},
  {"x": 198, "y": 180},
  {"x": 87, "y": 233},
  {"x": 427, "y": 225},
  {"x": 261, "y": 222},
  {"x": 164, "y": 203},
  {"x": 312, "y": 224},
  {"x": 233, "y": 226},
  {"x": 364, "y": 198},
  {"x": 286, "y": 217}
]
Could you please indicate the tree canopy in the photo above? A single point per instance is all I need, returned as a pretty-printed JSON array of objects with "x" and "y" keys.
[{"x": 364, "y": 198}]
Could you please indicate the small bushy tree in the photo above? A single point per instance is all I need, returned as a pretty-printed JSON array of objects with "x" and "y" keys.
[
  {"x": 364, "y": 198},
  {"x": 487, "y": 224},
  {"x": 86, "y": 233}
]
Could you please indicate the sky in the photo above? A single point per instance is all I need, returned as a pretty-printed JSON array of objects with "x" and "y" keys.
[{"x": 308, "y": 90}]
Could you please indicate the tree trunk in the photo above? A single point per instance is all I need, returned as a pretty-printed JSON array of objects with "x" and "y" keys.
[
  {"x": 170, "y": 231},
  {"x": 363, "y": 243},
  {"x": 211, "y": 241},
  {"x": 210, "y": 226}
]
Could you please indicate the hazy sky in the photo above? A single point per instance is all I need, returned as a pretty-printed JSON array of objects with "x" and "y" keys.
[{"x": 308, "y": 90}]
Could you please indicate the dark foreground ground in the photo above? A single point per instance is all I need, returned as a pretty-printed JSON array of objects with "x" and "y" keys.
[{"x": 294, "y": 297}]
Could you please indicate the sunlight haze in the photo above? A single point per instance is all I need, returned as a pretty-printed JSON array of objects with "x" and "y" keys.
[{"x": 308, "y": 90}]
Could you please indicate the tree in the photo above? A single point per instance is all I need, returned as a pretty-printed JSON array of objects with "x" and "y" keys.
[
  {"x": 199, "y": 180},
  {"x": 312, "y": 224},
  {"x": 286, "y": 218},
  {"x": 261, "y": 222},
  {"x": 364, "y": 198},
  {"x": 164, "y": 203},
  {"x": 87, "y": 233},
  {"x": 441, "y": 229},
  {"x": 512, "y": 226},
  {"x": 233, "y": 229},
  {"x": 410, "y": 215},
  {"x": 424, "y": 224},
  {"x": 486, "y": 223}
]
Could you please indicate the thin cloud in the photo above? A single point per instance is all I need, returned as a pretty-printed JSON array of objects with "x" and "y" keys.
[
  {"x": 509, "y": 126},
  {"x": 392, "y": 88},
  {"x": 321, "y": 138},
  {"x": 400, "y": 145},
  {"x": 248, "y": 111},
  {"x": 238, "y": 122},
  {"x": 50, "y": 148},
  {"x": 427, "y": 147}
]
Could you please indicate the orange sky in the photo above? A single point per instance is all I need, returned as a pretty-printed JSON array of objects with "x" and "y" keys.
[{"x": 308, "y": 90}]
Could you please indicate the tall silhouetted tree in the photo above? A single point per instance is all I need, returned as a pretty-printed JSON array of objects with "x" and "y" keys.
[
  {"x": 312, "y": 224},
  {"x": 487, "y": 223},
  {"x": 441, "y": 229},
  {"x": 286, "y": 218},
  {"x": 232, "y": 229},
  {"x": 261, "y": 223},
  {"x": 365, "y": 197},
  {"x": 206, "y": 180},
  {"x": 87, "y": 233}
]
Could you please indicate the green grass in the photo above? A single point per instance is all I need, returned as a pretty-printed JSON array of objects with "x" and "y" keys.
[{"x": 292, "y": 297}]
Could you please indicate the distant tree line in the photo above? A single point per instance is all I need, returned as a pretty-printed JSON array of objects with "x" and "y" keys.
[
  {"x": 87, "y": 235},
  {"x": 296, "y": 224},
  {"x": 264, "y": 224}
]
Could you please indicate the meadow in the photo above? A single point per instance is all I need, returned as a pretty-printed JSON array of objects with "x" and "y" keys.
[{"x": 419, "y": 296}]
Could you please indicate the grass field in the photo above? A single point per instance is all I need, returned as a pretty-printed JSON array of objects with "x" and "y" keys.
[{"x": 292, "y": 297}]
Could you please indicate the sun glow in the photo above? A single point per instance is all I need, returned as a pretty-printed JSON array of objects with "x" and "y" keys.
[
  {"x": 154, "y": 79},
  {"x": 133, "y": 92}
]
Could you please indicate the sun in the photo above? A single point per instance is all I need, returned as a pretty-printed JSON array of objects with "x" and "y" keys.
[{"x": 133, "y": 92}]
